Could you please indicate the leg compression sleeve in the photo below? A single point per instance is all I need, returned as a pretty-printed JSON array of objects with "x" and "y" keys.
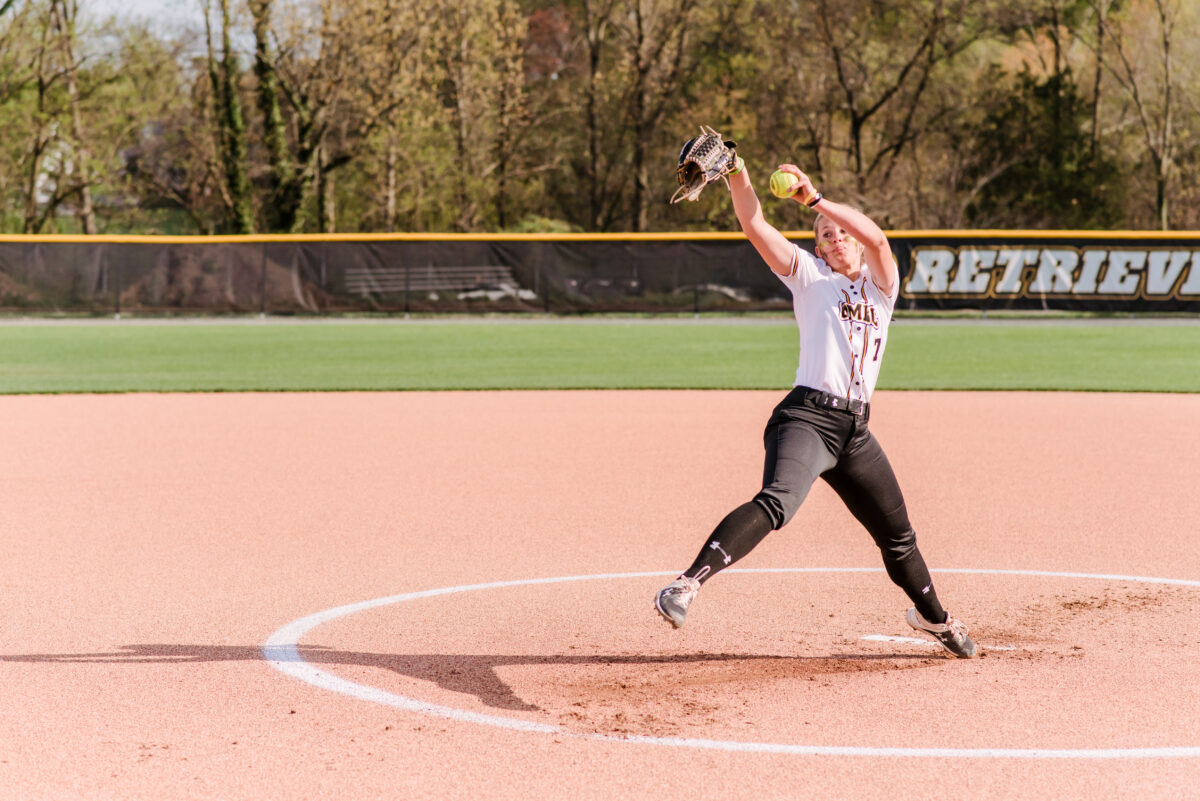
[
  {"x": 735, "y": 536},
  {"x": 911, "y": 575}
]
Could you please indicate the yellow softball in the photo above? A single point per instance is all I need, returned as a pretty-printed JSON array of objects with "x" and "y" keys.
[{"x": 783, "y": 184}]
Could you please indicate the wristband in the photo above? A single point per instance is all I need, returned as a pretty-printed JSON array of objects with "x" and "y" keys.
[
  {"x": 738, "y": 166},
  {"x": 815, "y": 200}
]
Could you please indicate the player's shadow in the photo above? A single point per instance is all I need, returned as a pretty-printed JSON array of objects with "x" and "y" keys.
[{"x": 470, "y": 674}]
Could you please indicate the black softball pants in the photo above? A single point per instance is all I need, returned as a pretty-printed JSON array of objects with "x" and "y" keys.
[{"x": 805, "y": 440}]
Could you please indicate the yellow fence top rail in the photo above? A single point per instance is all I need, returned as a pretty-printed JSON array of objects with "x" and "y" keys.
[{"x": 136, "y": 239}]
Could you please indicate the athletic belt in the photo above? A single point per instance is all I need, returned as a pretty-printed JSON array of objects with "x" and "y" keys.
[{"x": 825, "y": 400}]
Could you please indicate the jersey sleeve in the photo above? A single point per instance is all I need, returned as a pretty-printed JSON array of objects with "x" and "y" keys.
[
  {"x": 877, "y": 296},
  {"x": 803, "y": 269}
]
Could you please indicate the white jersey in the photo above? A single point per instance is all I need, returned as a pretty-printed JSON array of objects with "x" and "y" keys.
[{"x": 843, "y": 326}]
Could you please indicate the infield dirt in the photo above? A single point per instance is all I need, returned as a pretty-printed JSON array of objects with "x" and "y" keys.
[{"x": 152, "y": 543}]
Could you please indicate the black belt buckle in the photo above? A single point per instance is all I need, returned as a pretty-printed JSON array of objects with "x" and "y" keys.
[
  {"x": 830, "y": 401},
  {"x": 827, "y": 400}
]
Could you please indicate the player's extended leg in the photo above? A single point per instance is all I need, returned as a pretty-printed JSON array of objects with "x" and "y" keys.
[
  {"x": 865, "y": 481},
  {"x": 796, "y": 453}
]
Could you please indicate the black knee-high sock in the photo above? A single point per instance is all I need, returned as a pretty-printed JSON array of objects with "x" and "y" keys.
[
  {"x": 912, "y": 576},
  {"x": 733, "y": 538}
]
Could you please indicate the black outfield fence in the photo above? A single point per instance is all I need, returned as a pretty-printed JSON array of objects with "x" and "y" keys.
[{"x": 657, "y": 273}]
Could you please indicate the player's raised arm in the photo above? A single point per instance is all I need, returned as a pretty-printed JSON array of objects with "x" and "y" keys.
[
  {"x": 709, "y": 157},
  {"x": 773, "y": 246},
  {"x": 877, "y": 252}
]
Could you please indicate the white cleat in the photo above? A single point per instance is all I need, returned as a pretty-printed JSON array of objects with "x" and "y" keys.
[
  {"x": 673, "y": 600},
  {"x": 952, "y": 634}
]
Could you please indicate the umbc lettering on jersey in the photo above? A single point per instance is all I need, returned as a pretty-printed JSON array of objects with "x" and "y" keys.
[
  {"x": 860, "y": 312},
  {"x": 1109, "y": 274}
]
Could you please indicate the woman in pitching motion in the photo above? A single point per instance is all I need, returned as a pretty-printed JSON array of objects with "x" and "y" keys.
[{"x": 843, "y": 303}]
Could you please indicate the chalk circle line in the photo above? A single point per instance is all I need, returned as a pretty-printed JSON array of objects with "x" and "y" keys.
[{"x": 282, "y": 652}]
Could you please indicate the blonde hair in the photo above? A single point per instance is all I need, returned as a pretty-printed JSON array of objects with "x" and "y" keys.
[{"x": 817, "y": 224}]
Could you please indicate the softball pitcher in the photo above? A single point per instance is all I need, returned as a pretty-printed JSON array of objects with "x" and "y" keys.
[{"x": 843, "y": 301}]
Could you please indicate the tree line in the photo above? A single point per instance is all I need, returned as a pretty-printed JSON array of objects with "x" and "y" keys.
[{"x": 533, "y": 115}]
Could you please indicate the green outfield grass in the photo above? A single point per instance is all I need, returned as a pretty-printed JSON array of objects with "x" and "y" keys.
[{"x": 424, "y": 355}]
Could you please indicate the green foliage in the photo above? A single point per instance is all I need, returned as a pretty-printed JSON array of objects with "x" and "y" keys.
[
  {"x": 484, "y": 115},
  {"x": 536, "y": 224},
  {"x": 1036, "y": 162}
]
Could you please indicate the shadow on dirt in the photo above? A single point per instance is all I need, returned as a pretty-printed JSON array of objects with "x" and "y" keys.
[{"x": 476, "y": 674}]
